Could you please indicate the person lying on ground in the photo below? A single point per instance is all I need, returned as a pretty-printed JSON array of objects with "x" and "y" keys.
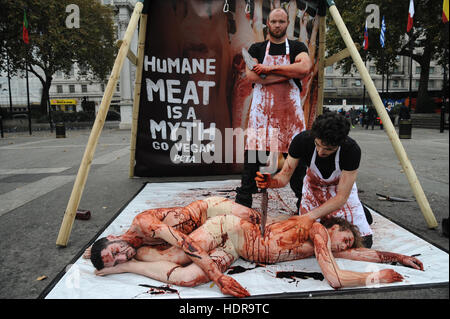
[{"x": 227, "y": 237}]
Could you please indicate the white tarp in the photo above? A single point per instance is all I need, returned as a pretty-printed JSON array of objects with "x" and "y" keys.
[{"x": 79, "y": 280}]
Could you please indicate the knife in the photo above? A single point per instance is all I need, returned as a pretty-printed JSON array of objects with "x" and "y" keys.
[
  {"x": 393, "y": 199},
  {"x": 250, "y": 62},
  {"x": 264, "y": 204},
  {"x": 266, "y": 171}
]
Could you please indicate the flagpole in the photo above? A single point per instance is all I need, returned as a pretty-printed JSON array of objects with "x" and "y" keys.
[
  {"x": 364, "y": 89},
  {"x": 382, "y": 72},
  {"x": 28, "y": 96},
  {"x": 409, "y": 29},
  {"x": 410, "y": 72},
  {"x": 9, "y": 84}
]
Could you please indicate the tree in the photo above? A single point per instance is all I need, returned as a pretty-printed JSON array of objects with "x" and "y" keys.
[
  {"x": 426, "y": 37},
  {"x": 56, "y": 44}
]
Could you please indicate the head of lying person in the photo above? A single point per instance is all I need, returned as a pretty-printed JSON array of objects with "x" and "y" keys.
[
  {"x": 330, "y": 130},
  {"x": 108, "y": 252},
  {"x": 343, "y": 234}
]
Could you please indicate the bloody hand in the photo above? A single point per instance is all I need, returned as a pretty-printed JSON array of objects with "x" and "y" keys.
[
  {"x": 411, "y": 262},
  {"x": 261, "y": 69},
  {"x": 263, "y": 180},
  {"x": 229, "y": 286},
  {"x": 304, "y": 224},
  {"x": 387, "y": 276}
]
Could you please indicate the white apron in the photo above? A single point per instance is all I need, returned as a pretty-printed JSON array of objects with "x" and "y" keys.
[
  {"x": 276, "y": 113},
  {"x": 317, "y": 190}
]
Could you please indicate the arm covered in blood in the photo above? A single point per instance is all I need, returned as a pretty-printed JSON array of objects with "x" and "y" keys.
[
  {"x": 339, "y": 278},
  {"x": 200, "y": 257},
  {"x": 370, "y": 255},
  {"x": 281, "y": 179}
]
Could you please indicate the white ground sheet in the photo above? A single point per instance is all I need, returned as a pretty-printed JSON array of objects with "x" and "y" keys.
[{"x": 79, "y": 280}]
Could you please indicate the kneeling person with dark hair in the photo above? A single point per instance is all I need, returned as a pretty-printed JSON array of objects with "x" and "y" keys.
[{"x": 332, "y": 159}]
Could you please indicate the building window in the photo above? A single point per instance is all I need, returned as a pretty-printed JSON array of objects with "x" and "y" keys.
[
  {"x": 418, "y": 69},
  {"x": 417, "y": 83},
  {"x": 357, "y": 82},
  {"x": 432, "y": 69},
  {"x": 59, "y": 74},
  {"x": 102, "y": 87},
  {"x": 329, "y": 83},
  {"x": 59, "y": 89},
  {"x": 395, "y": 84},
  {"x": 372, "y": 69},
  {"x": 83, "y": 88},
  {"x": 329, "y": 70},
  {"x": 430, "y": 84},
  {"x": 344, "y": 82},
  {"x": 72, "y": 88},
  {"x": 118, "y": 87}
]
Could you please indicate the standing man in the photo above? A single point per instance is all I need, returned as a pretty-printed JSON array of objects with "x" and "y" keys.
[
  {"x": 371, "y": 117},
  {"x": 276, "y": 113},
  {"x": 329, "y": 188}
]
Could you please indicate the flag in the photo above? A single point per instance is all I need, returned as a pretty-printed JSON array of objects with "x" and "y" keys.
[
  {"x": 25, "y": 29},
  {"x": 410, "y": 15},
  {"x": 383, "y": 29},
  {"x": 366, "y": 38},
  {"x": 445, "y": 11}
]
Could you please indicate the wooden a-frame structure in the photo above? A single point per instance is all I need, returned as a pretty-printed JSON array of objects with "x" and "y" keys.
[{"x": 124, "y": 51}]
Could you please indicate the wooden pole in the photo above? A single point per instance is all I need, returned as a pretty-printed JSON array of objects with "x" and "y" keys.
[
  {"x": 80, "y": 181},
  {"x": 137, "y": 91},
  {"x": 388, "y": 126},
  {"x": 322, "y": 38}
]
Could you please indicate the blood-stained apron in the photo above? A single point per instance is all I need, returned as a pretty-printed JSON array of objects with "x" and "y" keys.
[
  {"x": 276, "y": 113},
  {"x": 317, "y": 190}
]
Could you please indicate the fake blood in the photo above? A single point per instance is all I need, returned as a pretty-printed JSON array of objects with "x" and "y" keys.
[
  {"x": 240, "y": 269},
  {"x": 159, "y": 290},
  {"x": 300, "y": 274}
]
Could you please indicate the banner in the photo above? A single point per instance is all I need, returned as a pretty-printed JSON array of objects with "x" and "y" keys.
[{"x": 195, "y": 98}]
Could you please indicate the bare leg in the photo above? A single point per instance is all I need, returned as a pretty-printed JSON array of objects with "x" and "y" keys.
[{"x": 173, "y": 273}]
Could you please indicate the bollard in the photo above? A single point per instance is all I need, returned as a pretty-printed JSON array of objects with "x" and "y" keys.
[
  {"x": 404, "y": 128},
  {"x": 60, "y": 130}
]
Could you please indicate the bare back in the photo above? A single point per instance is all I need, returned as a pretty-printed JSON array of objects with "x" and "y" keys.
[{"x": 282, "y": 240}]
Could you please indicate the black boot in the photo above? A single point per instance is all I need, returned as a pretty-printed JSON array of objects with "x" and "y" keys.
[
  {"x": 248, "y": 183},
  {"x": 296, "y": 183}
]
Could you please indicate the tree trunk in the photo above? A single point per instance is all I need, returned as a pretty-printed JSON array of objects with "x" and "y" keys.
[
  {"x": 45, "y": 94},
  {"x": 423, "y": 102}
]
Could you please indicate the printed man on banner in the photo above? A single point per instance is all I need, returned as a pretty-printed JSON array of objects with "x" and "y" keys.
[{"x": 276, "y": 112}]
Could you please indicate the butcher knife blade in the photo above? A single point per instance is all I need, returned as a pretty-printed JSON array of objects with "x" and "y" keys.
[
  {"x": 264, "y": 204},
  {"x": 249, "y": 61}
]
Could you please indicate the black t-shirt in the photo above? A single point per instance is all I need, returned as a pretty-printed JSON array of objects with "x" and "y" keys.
[
  {"x": 258, "y": 51},
  {"x": 302, "y": 148}
]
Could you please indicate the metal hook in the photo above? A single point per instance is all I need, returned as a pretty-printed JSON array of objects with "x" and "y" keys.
[
  {"x": 247, "y": 6},
  {"x": 226, "y": 7}
]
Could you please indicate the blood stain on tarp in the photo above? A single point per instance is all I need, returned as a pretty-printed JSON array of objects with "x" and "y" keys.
[
  {"x": 154, "y": 290},
  {"x": 239, "y": 269},
  {"x": 299, "y": 274}
]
